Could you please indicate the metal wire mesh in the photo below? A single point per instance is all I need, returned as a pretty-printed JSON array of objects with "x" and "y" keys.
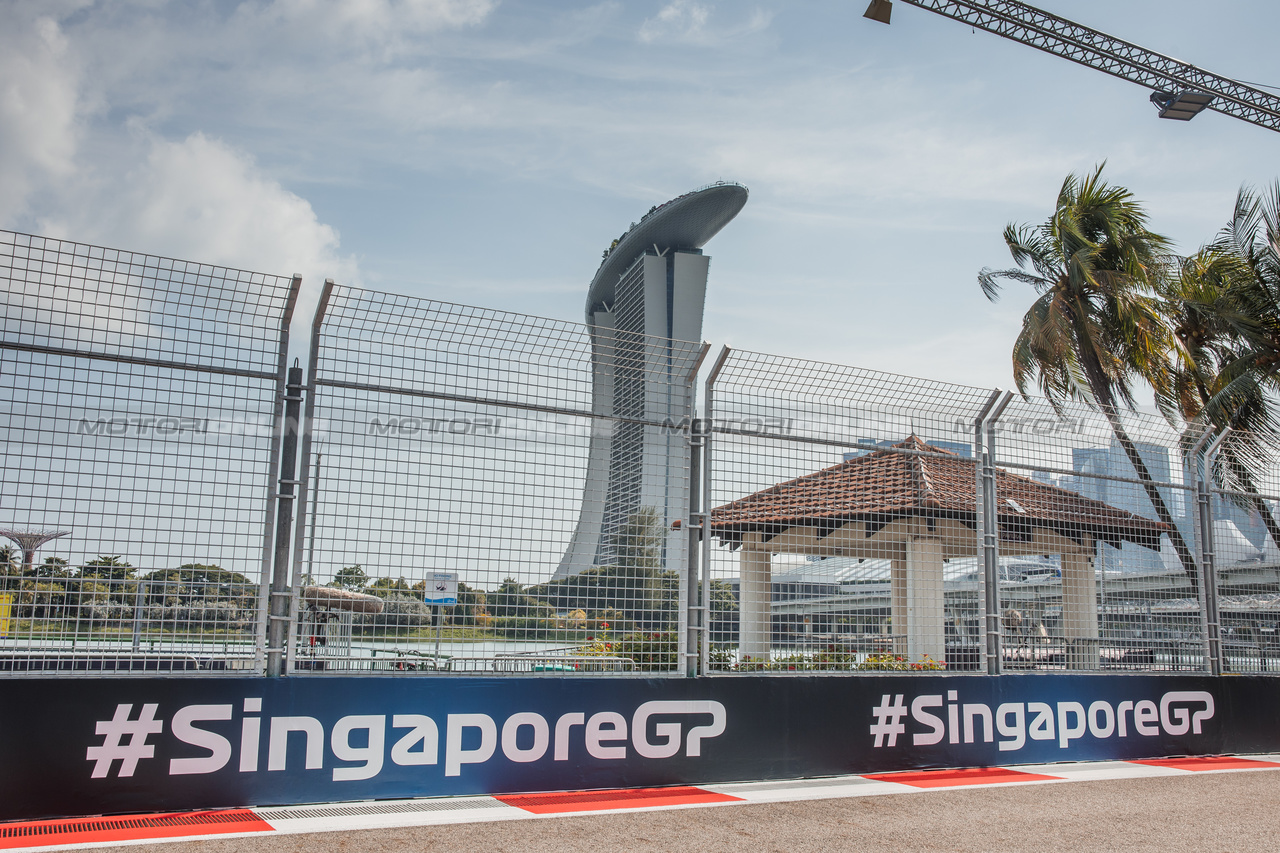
[
  {"x": 842, "y": 504},
  {"x": 1243, "y": 539},
  {"x": 137, "y": 409},
  {"x": 846, "y": 516},
  {"x": 492, "y": 492},
  {"x": 486, "y": 492},
  {"x": 1116, "y": 585}
]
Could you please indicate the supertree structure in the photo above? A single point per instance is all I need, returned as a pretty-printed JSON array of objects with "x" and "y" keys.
[{"x": 31, "y": 541}]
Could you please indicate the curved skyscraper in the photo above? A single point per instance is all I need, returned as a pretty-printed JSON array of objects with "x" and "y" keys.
[{"x": 649, "y": 290}]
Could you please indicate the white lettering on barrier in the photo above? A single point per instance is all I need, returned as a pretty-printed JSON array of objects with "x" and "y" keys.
[
  {"x": 1178, "y": 713},
  {"x": 250, "y": 733},
  {"x": 1103, "y": 729},
  {"x": 938, "y": 729},
  {"x": 359, "y": 742},
  {"x": 606, "y": 727},
  {"x": 371, "y": 753},
  {"x": 511, "y": 734},
  {"x": 454, "y": 755},
  {"x": 671, "y": 731},
  {"x": 423, "y": 730},
  {"x": 218, "y": 746},
  {"x": 1017, "y": 731},
  {"x": 563, "y": 727},
  {"x": 1068, "y": 731},
  {"x": 278, "y": 744},
  {"x": 1175, "y": 720}
]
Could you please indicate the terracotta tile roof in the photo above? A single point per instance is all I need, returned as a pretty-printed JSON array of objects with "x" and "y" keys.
[{"x": 886, "y": 485}]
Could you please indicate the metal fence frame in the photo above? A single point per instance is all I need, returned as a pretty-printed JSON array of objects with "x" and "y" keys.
[
  {"x": 1214, "y": 608},
  {"x": 135, "y": 313},
  {"x": 779, "y": 382},
  {"x": 516, "y": 335}
]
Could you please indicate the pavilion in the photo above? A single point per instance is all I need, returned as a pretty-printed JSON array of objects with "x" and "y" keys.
[{"x": 916, "y": 506}]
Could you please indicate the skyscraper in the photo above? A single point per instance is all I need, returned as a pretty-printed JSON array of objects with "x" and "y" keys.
[
  {"x": 1096, "y": 464},
  {"x": 649, "y": 290}
]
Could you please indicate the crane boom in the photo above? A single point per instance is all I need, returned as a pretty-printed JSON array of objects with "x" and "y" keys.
[{"x": 1052, "y": 34}]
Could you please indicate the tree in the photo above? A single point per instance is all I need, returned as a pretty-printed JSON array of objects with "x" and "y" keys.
[
  {"x": 350, "y": 577},
  {"x": 198, "y": 581},
  {"x": 637, "y": 551},
  {"x": 10, "y": 568},
  {"x": 385, "y": 587},
  {"x": 1095, "y": 324},
  {"x": 1224, "y": 363},
  {"x": 52, "y": 567},
  {"x": 511, "y": 599},
  {"x": 107, "y": 568}
]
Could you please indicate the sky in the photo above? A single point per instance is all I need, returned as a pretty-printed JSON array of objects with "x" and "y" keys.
[{"x": 486, "y": 152}]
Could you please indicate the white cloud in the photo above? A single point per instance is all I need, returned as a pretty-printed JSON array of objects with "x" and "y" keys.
[
  {"x": 64, "y": 172},
  {"x": 203, "y": 200},
  {"x": 38, "y": 101},
  {"x": 384, "y": 23},
  {"x": 687, "y": 21}
]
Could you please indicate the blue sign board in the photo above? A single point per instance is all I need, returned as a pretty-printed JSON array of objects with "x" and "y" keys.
[{"x": 134, "y": 744}]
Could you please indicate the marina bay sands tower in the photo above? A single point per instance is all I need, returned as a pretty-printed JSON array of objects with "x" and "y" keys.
[{"x": 647, "y": 295}]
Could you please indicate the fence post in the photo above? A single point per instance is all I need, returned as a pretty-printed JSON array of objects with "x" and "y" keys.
[
  {"x": 708, "y": 427},
  {"x": 273, "y": 474},
  {"x": 990, "y": 603},
  {"x": 1202, "y": 497},
  {"x": 304, "y": 470},
  {"x": 278, "y": 615},
  {"x": 991, "y": 537},
  {"x": 1208, "y": 569},
  {"x": 690, "y": 625},
  {"x": 697, "y": 620}
]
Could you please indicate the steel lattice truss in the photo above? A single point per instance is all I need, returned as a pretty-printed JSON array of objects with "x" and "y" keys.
[{"x": 1029, "y": 25}]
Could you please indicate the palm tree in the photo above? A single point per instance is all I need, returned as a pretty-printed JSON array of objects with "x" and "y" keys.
[
  {"x": 10, "y": 567},
  {"x": 1095, "y": 323},
  {"x": 1219, "y": 379}
]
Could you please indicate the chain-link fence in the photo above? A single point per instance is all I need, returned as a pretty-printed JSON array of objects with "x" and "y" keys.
[
  {"x": 841, "y": 524},
  {"x": 864, "y": 521},
  {"x": 1239, "y": 500},
  {"x": 484, "y": 492},
  {"x": 490, "y": 492},
  {"x": 1121, "y": 590},
  {"x": 138, "y": 403}
]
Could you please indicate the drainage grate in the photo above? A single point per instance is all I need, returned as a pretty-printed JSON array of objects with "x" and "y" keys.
[
  {"x": 358, "y": 810},
  {"x": 93, "y": 825}
]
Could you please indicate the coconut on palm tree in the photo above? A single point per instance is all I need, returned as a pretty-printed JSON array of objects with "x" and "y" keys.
[{"x": 1094, "y": 324}]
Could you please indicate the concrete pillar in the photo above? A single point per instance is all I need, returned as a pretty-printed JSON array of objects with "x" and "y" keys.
[
  {"x": 755, "y": 599},
  {"x": 926, "y": 634},
  {"x": 1079, "y": 611},
  {"x": 898, "y": 599}
]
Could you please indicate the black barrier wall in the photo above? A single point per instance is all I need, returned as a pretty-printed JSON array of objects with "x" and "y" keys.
[{"x": 147, "y": 745}]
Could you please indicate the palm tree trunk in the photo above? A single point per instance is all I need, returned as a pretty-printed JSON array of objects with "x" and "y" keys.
[{"x": 1157, "y": 500}]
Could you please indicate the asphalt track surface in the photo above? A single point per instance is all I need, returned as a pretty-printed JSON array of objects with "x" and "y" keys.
[{"x": 1225, "y": 811}]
